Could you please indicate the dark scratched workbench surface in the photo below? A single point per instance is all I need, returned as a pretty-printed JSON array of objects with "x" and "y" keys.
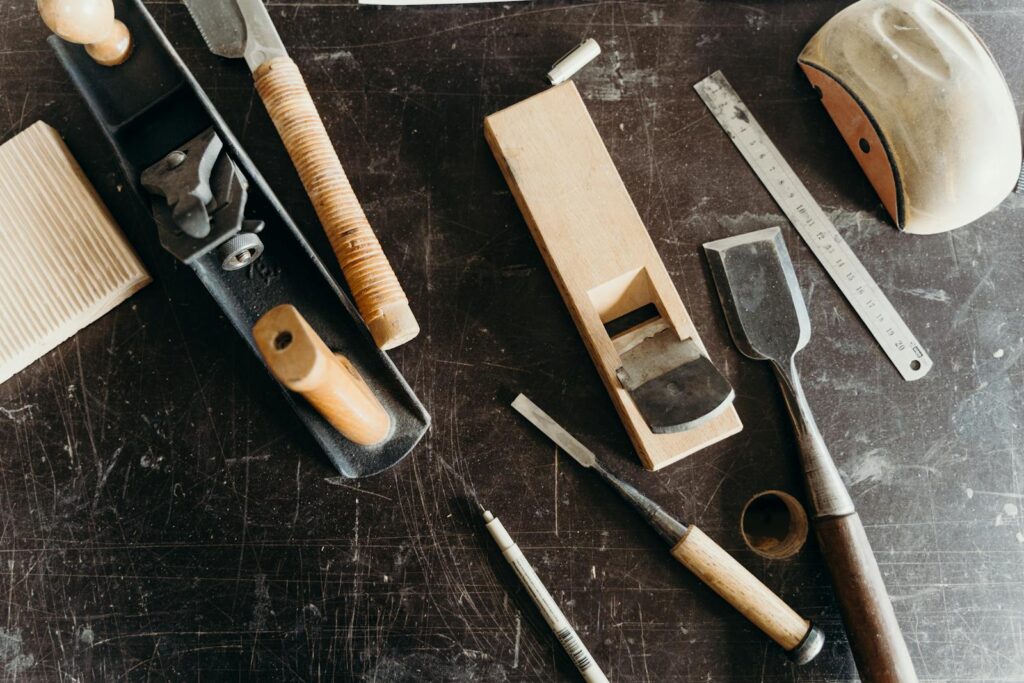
[{"x": 163, "y": 518}]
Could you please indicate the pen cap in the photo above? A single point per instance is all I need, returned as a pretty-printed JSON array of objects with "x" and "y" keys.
[{"x": 498, "y": 532}]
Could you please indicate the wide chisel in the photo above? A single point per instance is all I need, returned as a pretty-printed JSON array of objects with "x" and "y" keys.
[
  {"x": 243, "y": 29},
  {"x": 697, "y": 551},
  {"x": 768, "y": 320}
]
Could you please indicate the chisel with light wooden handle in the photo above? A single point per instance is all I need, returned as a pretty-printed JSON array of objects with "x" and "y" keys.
[
  {"x": 243, "y": 28},
  {"x": 695, "y": 550}
]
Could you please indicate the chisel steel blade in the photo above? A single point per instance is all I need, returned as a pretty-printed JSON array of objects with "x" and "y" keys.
[
  {"x": 760, "y": 295},
  {"x": 237, "y": 29},
  {"x": 554, "y": 431}
]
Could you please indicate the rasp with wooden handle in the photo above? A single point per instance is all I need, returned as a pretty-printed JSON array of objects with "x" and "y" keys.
[{"x": 243, "y": 29}]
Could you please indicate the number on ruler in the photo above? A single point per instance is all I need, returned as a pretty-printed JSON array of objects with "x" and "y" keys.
[{"x": 884, "y": 323}]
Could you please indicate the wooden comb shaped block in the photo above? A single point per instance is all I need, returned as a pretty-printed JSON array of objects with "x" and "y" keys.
[
  {"x": 602, "y": 258},
  {"x": 63, "y": 260}
]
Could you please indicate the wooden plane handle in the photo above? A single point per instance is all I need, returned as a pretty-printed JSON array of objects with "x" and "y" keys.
[
  {"x": 876, "y": 640},
  {"x": 301, "y": 361},
  {"x": 90, "y": 23},
  {"x": 378, "y": 294},
  {"x": 741, "y": 589}
]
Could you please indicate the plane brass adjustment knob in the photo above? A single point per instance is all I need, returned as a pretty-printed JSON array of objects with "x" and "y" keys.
[{"x": 90, "y": 23}]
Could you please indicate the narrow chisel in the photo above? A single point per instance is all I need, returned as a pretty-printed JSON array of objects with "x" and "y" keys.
[{"x": 695, "y": 550}]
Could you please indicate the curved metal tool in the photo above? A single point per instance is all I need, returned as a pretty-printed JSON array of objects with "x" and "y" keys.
[{"x": 674, "y": 385}]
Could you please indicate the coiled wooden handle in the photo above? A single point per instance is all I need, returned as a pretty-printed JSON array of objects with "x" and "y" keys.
[{"x": 377, "y": 292}]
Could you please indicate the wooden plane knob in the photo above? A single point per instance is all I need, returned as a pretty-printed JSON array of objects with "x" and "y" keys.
[
  {"x": 301, "y": 361},
  {"x": 90, "y": 23}
]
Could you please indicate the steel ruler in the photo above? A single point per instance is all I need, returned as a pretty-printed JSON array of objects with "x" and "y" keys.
[{"x": 849, "y": 274}]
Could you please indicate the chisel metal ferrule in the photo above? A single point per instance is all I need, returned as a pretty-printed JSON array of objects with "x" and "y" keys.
[{"x": 667, "y": 526}]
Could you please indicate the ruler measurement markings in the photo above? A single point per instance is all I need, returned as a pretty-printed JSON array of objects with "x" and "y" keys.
[{"x": 817, "y": 230}]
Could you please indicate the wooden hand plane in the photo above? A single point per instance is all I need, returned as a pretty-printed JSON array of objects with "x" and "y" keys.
[{"x": 670, "y": 396}]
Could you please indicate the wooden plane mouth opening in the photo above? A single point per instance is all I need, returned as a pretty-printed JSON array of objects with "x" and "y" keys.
[
  {"x": 629, "y": 310},
  {"x": 623, "y": 297},
  {"x": 669, "y": 379},
  {"x": 632, "y": 320}
]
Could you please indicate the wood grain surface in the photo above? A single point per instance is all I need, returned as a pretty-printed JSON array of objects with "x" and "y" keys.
[
  {"x": 876, "y": 639},
  {"x": 741, "y": 589},
  {"x": 162, "y": 517},
  {"x": 90, "y": 23},
  {"x": 599, "y": 252},
  {"x": 64, "y": 262}
]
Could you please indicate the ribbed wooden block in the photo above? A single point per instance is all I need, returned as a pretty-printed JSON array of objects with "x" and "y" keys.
[{"x": 63, "y": 260}]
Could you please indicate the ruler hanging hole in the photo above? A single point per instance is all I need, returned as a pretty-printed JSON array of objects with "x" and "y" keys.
[
  {"x": 915, "y": 365},
  {"x": 864, "y": 145}
]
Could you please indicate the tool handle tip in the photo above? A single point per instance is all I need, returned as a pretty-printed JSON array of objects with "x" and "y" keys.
[
  {"x": 90, "y": 23},
  {"x": 874, "y": 633},
  {"x": 741, "y": 589},
  {"x": 302, "y": 362}
]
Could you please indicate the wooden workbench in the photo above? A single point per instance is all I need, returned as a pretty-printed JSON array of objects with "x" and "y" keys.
[{"x": 163, "y": 518}]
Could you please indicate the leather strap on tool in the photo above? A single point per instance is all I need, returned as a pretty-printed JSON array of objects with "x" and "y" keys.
[{"x": 378, "y": 294}]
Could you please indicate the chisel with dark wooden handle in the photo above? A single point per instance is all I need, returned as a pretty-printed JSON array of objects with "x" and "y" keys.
[
  {"x": 243, "y": 29},
  {"x": 769, "y": 321}
]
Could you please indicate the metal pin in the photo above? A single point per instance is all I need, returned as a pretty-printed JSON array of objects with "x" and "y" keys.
[{"x": 175, "y": 159}]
